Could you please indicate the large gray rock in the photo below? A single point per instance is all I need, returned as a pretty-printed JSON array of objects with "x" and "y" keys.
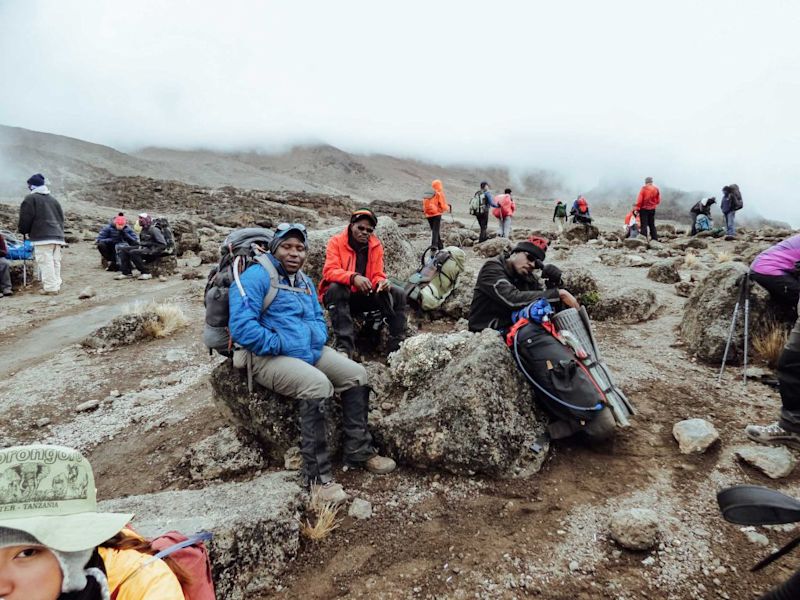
[
  {"x": 400, "y": 258},
  {"x": 774, "y": 461},
  {"x": 270, "y": 418},
  {"x": 708, "y": 313},
  {"x": 581, "y": 233},
  {"x": 492, "y": 247},
  {"x": 121, "y": 331},
  {"x": 221, "y": 455},
  {"x": 461, "y": 237},
  {"x": 579, "y": 282},
  {"x": 635, "y": 528},
  {"x": 255, "y": 526},
  {"x": 628, "y": 305},
  {"x": 694, "y": 436},
  {"x": 452, "y": 414},
  {"x": 636, "y": 243},
  {"x": 664, "y": 271}
]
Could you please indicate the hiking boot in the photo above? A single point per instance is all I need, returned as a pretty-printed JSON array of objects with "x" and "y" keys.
[
  {"x": 122, "y": 276},
  {"x": 8, "y": 292},
  {"x": 112, "y": 268},
  {"x": 729, "y": 238},
  {"x": 48, "y": 292},
  {"x": 328, "y": 493},
  {"x": 144, "y": 277},
  {"x": 380, "y": 465},
  {"x": 773, "y": 434}
]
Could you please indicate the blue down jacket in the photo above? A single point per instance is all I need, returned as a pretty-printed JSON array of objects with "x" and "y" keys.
[{"x": 293, "y": 324}]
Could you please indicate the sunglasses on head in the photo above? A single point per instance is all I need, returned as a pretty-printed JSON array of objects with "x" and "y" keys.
[{"x": 287, "y": 226}]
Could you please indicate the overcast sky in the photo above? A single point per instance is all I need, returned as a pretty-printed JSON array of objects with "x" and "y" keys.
[{"x": 696, "y": 94}]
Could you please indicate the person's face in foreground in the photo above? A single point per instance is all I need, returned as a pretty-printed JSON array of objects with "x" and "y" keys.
[
  {"x": 292, "y": 254},
  {"x": 522, "y": 263},
  {"x": 361, "y": 230},
  {"x": 29, "y": 573}
]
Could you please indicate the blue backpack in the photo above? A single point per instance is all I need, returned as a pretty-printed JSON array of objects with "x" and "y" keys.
[
  {"x": 702, "y": 223},
  {"x": 17, "y": 249}
]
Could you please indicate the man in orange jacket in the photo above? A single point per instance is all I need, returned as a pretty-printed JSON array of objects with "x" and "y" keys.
[
  {"x": 354, "y": 282},
  {"x": 434, "y": 206},
  {"x": 649, "y": 198}
]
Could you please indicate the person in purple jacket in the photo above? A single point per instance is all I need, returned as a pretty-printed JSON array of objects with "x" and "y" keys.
[{"x": 776, "y": 270}]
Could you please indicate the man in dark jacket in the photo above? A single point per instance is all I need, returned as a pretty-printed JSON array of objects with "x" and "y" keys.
[
  {"x": 731, "y": 202},
  {"x": 354, "y": 282},
  {"x": 112, "y": 235},
  {"x": 5, "y": 270},
  {"x": 151, "y": 246},
  {"x": 702, "y": 207},
  {"x": 42, "y": 220},
  {"x": 506, "y": 283}
]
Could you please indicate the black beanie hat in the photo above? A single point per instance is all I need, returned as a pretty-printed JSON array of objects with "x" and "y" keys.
[
  {"x": 36, "y": 180},
  {"x": 529, "y": 248},
  {"x": 364, "y": 213}
]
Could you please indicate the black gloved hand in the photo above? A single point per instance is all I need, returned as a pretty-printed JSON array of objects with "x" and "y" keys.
[{"x": 552, "y": 275}]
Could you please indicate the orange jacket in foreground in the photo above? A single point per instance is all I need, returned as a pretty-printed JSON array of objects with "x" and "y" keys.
[
  {"x": 649, "y": 197},
  {"x": 340, "y": 262},
  {"x": 436, "y": 204}
]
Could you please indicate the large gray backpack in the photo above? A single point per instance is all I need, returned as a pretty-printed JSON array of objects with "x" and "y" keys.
[{"x": 241, "y": 249}]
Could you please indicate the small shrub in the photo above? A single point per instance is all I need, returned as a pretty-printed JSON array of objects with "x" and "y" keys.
[
  {"x": 589, "y": 298},
  {"x": 768, "y": 342},
  {"x": 724, "y": 257},
  {"x": 171, "y": 318},
  {"x": 327, "y": 519},
  {"x": 690, "y": 260}
]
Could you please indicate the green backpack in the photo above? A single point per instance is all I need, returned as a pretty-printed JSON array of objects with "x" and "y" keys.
[
  {"x": 429, "y": 287},
  {"x": 477, "y": 206}
]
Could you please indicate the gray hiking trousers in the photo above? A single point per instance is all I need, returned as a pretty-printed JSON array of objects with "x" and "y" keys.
[{"x": 297, "y": 379}]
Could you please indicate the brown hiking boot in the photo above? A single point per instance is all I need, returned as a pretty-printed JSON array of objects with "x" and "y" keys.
[
  {"x": 380, "y": 465},
  {"x": 328, "y": 493}
]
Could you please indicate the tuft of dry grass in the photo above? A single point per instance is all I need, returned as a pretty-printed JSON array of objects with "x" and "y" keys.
[
  {"x": 327, "y": 519},
  {"x": 769, "y": 340},
  {"x": 723, "y": 257},
  {"x": 169, "y": 318},
  {"x": 690, "y": 259}
]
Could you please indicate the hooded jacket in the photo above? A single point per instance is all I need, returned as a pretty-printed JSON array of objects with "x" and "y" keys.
[
  {"x": 437, "y": 204},
  {"x": 152, "y": 240},
  {"x": 703, "y": 207},
  {"x": 499, "y": 292},
  {"x": 111, "y": 235},
  {"x": 292, "y": 325},
  {"x": 649, "y": 197},
  {"x": 340, "y": 262},
  {"x": 505, "y": 206},
  {"x": 630, "y": 216},
  {"x": 155, "y": 580},
  {"x": 779, "y": 259},
  {"x": 41, "y": 218}
]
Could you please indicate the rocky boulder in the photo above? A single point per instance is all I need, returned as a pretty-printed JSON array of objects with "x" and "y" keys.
[
  {"x": 627, "y": 305},
  {"x": 166, "y": 265},
  {"x": 579, "y": 282},
  {"x": 694, "y": 436},
  {"x": 708, "y": 313},
  {"x": 636, "y": 243},
  {"x": 255, "y": 526},
  {"x": 492, "y": 247},
  {"x": 664, "y": 271},
  {"x": 581, "y": 233},
  {"x": 457, "y": 304},
  {"x": 221, "y": 455},
  {"x": 122, "y": 331},
  {"x": 635, "y": 528},
  {"x": 684, "y": 289},
  {"x": 461, "y": 237},
  {"x": 449, "y": 415},
  {"x": 774, "y": 461}
]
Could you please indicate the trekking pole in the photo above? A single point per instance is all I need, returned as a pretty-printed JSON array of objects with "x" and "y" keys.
[
  {"x": 746, "y": 292},
  {"x": 730, "y": 335}
]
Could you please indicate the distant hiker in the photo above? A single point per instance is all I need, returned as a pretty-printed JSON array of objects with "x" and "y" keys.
[
  {"x": 777, "y": 269},
  {"x": 354, "y": 283},
  {"x": 560, "y": 216},
  {"x": 731, "y": 202},
  {"x": 649, "y": 198},
  {"x": 56, "y": 545},
  {"x": 479, "y": 206},
  {"x": 632, "y": 224},
  {"x": 701, "y": 207},
  {"x": 151, "y": 246},
  {"x": 5, "y": 270},
  {"x": 506, "y": 283},
  {"x": 112, "y": 235},
  {"x": 41, "y": 218},
  {"x": 787, "y": 429},
  {"x": 286, "y": 344},
  {"x": 504, "y": 212},
  {"x": 434, "y": 206},
  {"x": 580, "y": 211}
]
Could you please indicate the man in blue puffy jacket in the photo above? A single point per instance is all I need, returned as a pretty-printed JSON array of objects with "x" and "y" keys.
[
  {"x": 112, "y": 235},
  {"x": 286, "y": 344}
]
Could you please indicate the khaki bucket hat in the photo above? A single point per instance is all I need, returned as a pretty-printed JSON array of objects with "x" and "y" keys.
[{"x": 49, "y": 493}]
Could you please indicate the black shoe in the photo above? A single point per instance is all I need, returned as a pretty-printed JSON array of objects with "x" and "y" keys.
[
  {"x": 7, "y": 293},
  {"x": 112, "y": 268}
]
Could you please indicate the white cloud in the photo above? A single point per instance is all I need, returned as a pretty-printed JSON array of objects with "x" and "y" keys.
[{"x": 696, "y": 94}]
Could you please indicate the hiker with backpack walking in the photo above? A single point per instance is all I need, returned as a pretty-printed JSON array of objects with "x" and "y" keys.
[
  {"x": 560, "y": 213},
  {"x": 580, "y": 211},
  {"x": 479, "y": 206},
  {"x": 151, "y": 246},
  {"x": 5, "y": 270},
  {"x": 702, "y": 207},
  {"x": 504, "y": 212},
  {"x": 731, "y": 202},
  {"x": 777, "y": 270},
  {"x": 41, "y": 218},
  {"x": 354, "y": 282},
  {"x": 55, "y": 545},
  {"x": 284, "y": 346},
  {"x": 632, "y": 224},
  {"x": 787, "y": 429},
  {"x": 647, "y": 201},
  {"x": 434, "y": 205},
  {"x": 112, "y": 235},
  {"x": 507, "y": 283}
]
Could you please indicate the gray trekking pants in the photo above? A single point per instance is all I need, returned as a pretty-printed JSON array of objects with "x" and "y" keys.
[{"x": 297, "y": 379}]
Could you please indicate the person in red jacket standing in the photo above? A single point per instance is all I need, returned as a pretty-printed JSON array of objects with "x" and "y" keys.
[
  {"x": 354, "y": 281},
  {"x": 504, "y": 212},
  {"x": 434, "y": 206},
  {"x": 649, "y": 198}
]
